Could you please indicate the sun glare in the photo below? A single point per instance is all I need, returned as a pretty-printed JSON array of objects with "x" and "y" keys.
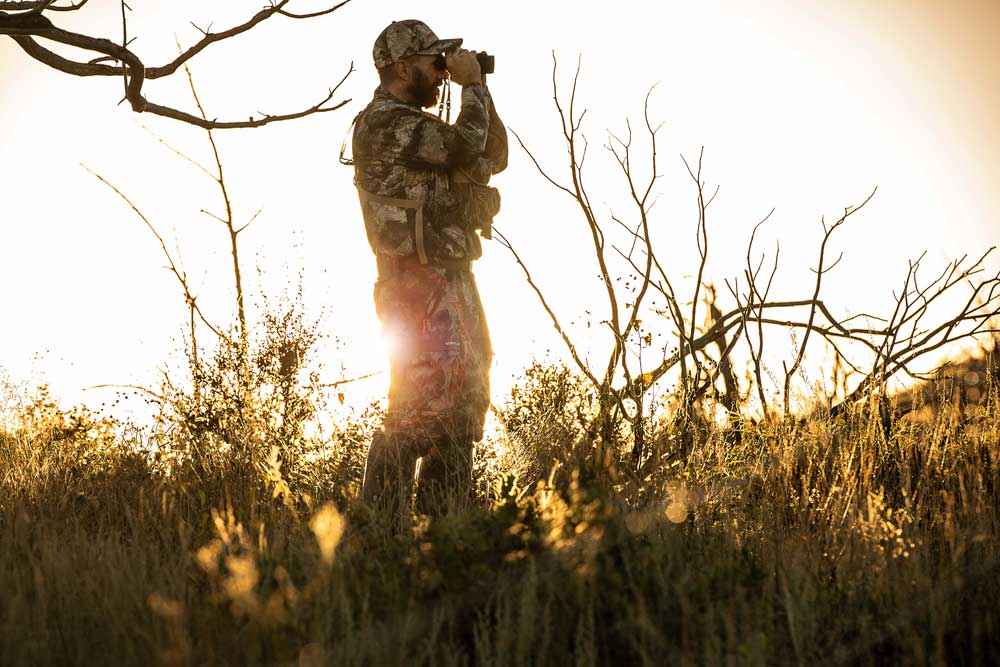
[{"x": 796, "y": 121}]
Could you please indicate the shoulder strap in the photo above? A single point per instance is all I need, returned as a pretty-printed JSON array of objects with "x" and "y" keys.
[{"x": 348, "y": 161}]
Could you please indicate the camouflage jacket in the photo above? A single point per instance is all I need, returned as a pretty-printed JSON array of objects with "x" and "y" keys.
[{"x": 408, "y": 159}]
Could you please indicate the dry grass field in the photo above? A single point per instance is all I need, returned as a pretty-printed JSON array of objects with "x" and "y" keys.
[
  {"x": 615, "y": 521},
  {"x": 232, "y": 537}
]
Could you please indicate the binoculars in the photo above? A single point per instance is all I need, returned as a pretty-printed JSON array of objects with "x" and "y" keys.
[{"x": 486, "y": 62}]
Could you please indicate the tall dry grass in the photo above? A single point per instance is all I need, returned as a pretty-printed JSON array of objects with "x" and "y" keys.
[{"x": 829, "y": 541}]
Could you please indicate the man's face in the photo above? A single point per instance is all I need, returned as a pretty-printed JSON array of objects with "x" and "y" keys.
[{"x": 425, "y": 79}]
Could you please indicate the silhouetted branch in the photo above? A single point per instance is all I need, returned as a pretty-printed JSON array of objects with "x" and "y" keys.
[
  {"x": 820, "y": 271},
  {"x": 584, "y": 368},
  {"x": 311, "y": 15},
  {"x": 23, "y": 27},
  {"x": 38, "y": 6},
  {"x": 893, "y": 344}
]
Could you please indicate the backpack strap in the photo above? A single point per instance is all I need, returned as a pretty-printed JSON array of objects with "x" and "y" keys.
[
  {"x": 459, "y": 175},
  {"x": 348, "y": 161}
]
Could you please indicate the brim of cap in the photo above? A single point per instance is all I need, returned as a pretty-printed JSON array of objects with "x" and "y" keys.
[{"x": 441, "y": 46}]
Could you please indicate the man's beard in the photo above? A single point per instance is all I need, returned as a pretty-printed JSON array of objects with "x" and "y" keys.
[{"x": 422, "y": 89}]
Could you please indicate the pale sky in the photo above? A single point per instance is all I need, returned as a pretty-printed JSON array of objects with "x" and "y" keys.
[{"x": 804, "y": 107}]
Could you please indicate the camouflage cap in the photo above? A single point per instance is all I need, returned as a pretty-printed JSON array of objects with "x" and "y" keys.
[{"x": 408, "y": 38}]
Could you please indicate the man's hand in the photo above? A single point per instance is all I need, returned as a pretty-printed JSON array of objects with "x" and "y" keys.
[{"x": 464, "y": 67}]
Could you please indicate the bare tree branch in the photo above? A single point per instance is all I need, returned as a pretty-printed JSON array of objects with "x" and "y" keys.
[
  {"x": 24, "y": 26},
  {"x": 38, "y": 6},
  {"x": 584, "y": 368},
  {"x": 893, "y": 344},
  {"x": 820, "y": 271},
  {"x": 322, "y": 12},
  {"x": 179, "y": 153},
  {"x": 172, "y": 266}
]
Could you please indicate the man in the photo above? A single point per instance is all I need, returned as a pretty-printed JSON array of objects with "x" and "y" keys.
[{"x": 422, "y": 187}]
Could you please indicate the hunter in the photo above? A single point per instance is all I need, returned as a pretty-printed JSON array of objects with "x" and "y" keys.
[{"x": 423, "y": 184}]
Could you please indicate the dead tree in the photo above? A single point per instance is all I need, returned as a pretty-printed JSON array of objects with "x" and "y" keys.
[
  {"x": 622, "y": 385},
  {"x": 27, "y": 22}
]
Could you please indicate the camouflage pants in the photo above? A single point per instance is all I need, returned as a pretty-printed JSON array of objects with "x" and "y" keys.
[{"x": 439, "y": 357}]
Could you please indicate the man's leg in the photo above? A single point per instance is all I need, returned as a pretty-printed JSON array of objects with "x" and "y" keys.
[
  {"x": 445, "y": 476},
  {"x": 388, "y": 482}
]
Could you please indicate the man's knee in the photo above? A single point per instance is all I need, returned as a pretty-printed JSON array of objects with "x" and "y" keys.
[{"x": 389, "y": 468}]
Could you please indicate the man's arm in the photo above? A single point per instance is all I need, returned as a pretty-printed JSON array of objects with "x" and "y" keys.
[
  {"x": 438, "y": 144},
  {"x": 496, "y": 141},
  {"x": 419, "y": 140},
  {"x": 467, "y": 139}
]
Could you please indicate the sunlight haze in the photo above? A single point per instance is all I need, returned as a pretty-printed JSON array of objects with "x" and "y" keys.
[{"x": 801, "y": 107}]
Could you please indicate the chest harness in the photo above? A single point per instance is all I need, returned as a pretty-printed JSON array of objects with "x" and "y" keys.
[{"x": 416, "y": 205}]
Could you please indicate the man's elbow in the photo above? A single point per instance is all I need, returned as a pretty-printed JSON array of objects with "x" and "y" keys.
[{"x": 467, "y": 151}]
